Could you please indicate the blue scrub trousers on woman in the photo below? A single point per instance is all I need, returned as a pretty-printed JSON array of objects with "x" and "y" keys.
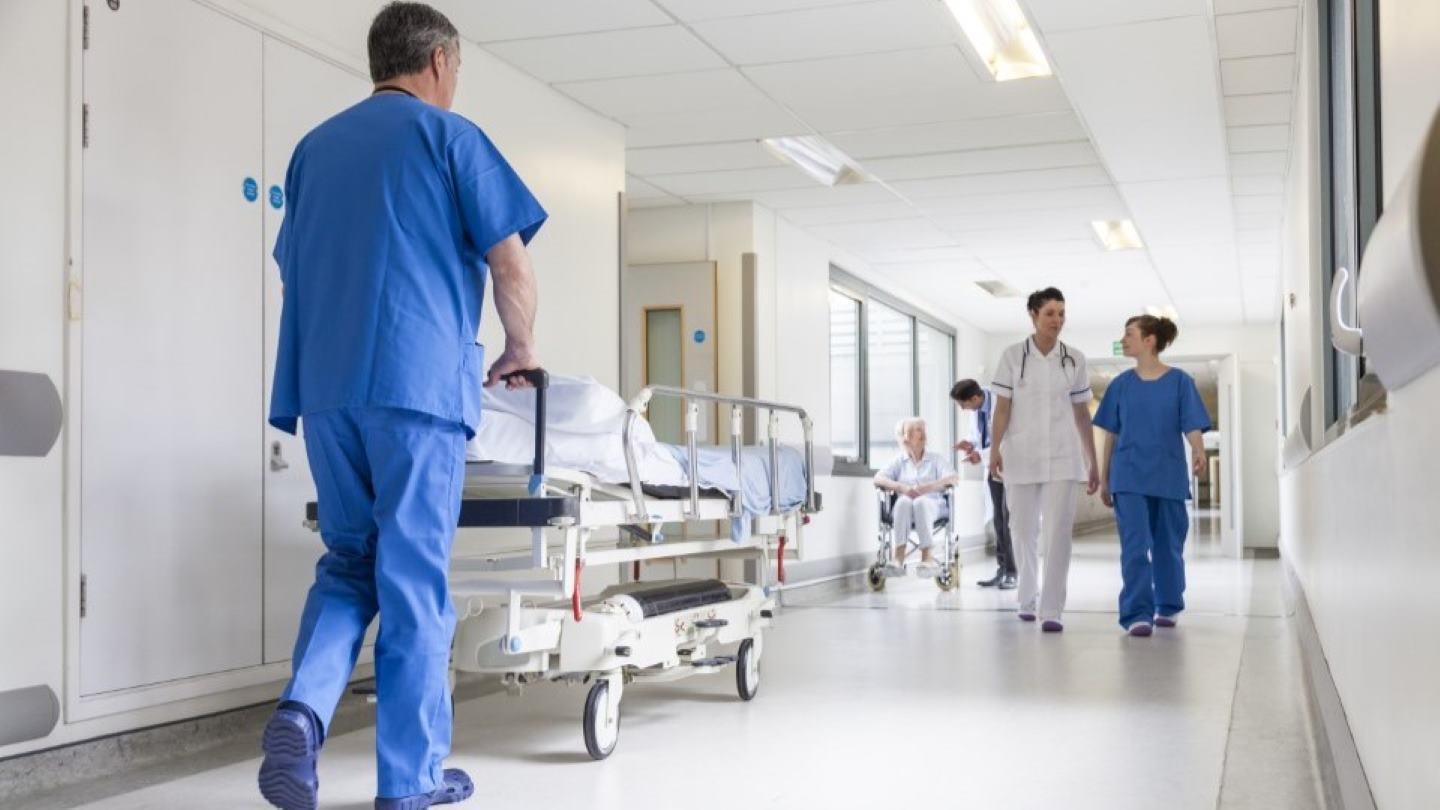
[
  {"x": 389, "y": 483},
  {"x": 1152, "y": 565}
]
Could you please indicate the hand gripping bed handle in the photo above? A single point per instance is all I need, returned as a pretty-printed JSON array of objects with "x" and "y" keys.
[{"x": 539, "y": 378}]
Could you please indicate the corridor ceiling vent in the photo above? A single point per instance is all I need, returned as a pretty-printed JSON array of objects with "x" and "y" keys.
[
  {"x": 998, "y": 289},
  {"x": 1002, "y": 38},
  {"x": 816, "y": 157},
  {"x": 1117, "y": 234}
]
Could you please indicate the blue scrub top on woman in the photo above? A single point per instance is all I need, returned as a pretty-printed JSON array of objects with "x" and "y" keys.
[{"x": 1150, "y": 420}]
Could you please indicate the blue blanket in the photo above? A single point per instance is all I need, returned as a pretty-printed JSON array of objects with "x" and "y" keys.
[{"x": 716, "y": 470}]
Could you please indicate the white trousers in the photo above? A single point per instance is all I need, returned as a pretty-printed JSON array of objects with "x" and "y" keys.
[
  {"x": 1033, "y": 507},
  {"x": 918, "y": 514}
]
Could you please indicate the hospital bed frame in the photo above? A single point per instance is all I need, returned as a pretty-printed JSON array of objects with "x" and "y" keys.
[{"x": 522, "y": 614}]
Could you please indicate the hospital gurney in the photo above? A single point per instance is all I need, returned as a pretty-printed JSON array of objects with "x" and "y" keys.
[{"x": 522, "y": 615}]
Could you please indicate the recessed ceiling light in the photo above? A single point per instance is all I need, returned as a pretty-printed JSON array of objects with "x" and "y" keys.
[
  {"x": 998, "y": 289},
  {"x": 1117, "y": 234},
  {"x": 816, "y": 157},
  {"x": 1001, "y": 37}
]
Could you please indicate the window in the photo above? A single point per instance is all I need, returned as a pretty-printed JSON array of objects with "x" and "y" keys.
[
  {"x": 845, "y": 397},
  {"x": 1350, "y": 169},
  {"x": 888, "y": 361}
]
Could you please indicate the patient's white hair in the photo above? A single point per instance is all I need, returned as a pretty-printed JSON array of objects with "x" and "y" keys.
[{"x": 902, "y": 428}]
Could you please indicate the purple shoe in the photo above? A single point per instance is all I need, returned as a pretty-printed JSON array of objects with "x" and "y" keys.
[
  {"x": 1140, "y": 629},
  {"x": 1166, "y": 621},
  {"x": 1026, "y": 617},
  {"x": 1051, "y": 626},
  {"x": 291, "y": 743},
  {"x": 455, "y": 786}
]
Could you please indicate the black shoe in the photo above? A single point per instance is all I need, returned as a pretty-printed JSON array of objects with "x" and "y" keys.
[
  {"x": 1007, "y": 583},
  {"x": 993, "y": 581}
]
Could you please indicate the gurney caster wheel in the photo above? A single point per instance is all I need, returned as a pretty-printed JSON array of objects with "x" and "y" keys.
[
  {"x": 747, "y": 670},
  {"x": 601, "y": 730},
  {"x": 875, "y": 577}
]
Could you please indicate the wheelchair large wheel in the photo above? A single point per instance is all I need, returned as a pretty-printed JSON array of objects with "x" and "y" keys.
[
  {"x": 601, "y": 730},
  {"x": 875, "y": 577}
]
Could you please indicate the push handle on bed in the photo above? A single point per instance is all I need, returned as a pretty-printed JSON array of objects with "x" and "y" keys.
[{"x": 540, "y": 379}]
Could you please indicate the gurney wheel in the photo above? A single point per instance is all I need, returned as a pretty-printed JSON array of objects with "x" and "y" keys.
[
  {"x": 747, "y": 670},
  {"x": 601, "y": 731},
  {"x": 875, "y": 577}
]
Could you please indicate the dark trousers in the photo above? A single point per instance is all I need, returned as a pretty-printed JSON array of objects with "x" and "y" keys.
[{"x": 1004, "y": 555}]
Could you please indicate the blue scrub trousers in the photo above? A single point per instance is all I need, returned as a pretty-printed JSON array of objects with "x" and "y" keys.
[
  {"x": 1152, "y": 565},
  {"x": 389, "y": 484}
]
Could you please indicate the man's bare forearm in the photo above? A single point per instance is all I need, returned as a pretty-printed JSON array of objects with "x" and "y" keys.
[{"x": 516, "y": 297}]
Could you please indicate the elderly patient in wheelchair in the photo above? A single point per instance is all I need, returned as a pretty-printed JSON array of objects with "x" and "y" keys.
[{"x": 918, "y": 485}]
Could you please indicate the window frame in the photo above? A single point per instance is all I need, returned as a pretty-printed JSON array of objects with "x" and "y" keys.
[{"x": 852, "y": 287}]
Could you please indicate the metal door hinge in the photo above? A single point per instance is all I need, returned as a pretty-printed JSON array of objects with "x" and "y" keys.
[
  {"x": 84, "y": 596},
  {"x": 84, "y": 126},
  {"x": 85, "y": 28}
]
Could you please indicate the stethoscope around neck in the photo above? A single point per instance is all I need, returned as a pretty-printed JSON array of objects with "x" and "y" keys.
[{"x": 1064, "y": 357}]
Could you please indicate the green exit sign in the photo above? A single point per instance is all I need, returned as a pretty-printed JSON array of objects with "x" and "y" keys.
[{"x": 1119, "y": 349}]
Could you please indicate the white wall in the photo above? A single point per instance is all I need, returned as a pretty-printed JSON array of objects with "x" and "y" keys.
[
  {"x": 571, "y": 158},
  {"x": 1359, "y": 516}
]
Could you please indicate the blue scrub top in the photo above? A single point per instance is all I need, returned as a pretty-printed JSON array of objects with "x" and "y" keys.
[
  {"x": 1150, "y": 420},
  {"x": 391, "y": 207}
]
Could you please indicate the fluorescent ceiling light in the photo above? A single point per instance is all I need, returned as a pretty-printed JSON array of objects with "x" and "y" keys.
[
  {"x": 1117, "y": 234},
  {"x": 998, "y": 289},
  {"x": 816, "y": 157},
  {"x": 1001, "y": 37}
]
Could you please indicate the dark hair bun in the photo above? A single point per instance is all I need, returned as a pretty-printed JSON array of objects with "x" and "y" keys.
[{"x": 1037, "y": 299}]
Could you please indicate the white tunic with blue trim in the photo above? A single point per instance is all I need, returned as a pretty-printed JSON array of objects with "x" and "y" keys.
[{"x": 1041, "y": 443}]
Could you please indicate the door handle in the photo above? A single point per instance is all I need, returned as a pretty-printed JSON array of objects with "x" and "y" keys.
[
  {"x": 1345, "y": 337},
  {"x": 277, "y": 458}
]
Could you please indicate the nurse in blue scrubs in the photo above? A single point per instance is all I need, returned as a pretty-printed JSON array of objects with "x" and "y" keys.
[
  {"x": 398, "y": 212},
  {"x": 1148, "y": 414}
]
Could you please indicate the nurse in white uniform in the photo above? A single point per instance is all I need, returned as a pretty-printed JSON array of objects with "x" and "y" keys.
[{"x": 1044, "y": 451}]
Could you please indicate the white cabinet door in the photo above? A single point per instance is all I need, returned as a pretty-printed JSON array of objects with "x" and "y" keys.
[
  {"x": 300, "y": 92},
  {"x": 170, "y": 346}
]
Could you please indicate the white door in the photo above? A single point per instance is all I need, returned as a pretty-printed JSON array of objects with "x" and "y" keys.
[
  {"x": 170, "y": 346},
  {"x": 674, "y": 303},
  {"x": 301, "y": 91}
]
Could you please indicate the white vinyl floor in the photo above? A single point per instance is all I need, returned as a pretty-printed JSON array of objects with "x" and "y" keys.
[{"x": 910, "y": 698}]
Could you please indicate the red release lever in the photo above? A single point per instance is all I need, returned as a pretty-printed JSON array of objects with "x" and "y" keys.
[
  {"x": 575, "y": 596},
  {"x": 780, "y": 561}
]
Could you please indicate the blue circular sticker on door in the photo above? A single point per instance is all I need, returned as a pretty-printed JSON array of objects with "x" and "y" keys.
[
  {"x": 277, "y": 197},
  {"x": 699, "y": 335},
  {"x": 252, "y": 189}
]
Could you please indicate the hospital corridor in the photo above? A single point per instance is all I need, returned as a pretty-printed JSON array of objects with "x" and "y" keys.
[{"x": 647, "y": 404}]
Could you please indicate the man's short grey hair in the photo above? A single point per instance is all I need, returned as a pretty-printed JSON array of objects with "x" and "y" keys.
[
  {"x": 902, "y": 428},
  {"x": 403, "y": 37}
]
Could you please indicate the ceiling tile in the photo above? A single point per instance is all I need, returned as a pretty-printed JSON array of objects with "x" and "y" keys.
[
  {"x": 638, "y": 189},
  {"x": 813, "y": 196},
  {"x": 731, "y": 182},
  {"x": 1259, "y": 163},
  {"x": 860, "y": 236},
  {"x": 1066, "y": 15},
  {"x": 951, "y": 136},
  {"x": 633, "y": 98},
  {"x": 1258, "y": 184},
  {"x": 700, "y": 158},
  {"x": 1154, "y": 123},
  {"x": 1260, "y": 74},
  {"x": 710, "y": 126},
  {"x": 1241, "y": 6},
  {"x": 918, "y": 86},
  {"x": 1077, "y": 221},
  {"x": 1259, "y": 203},
  {"x": 1001, "y": 183},
  {"x": 1182, "y": 212},
  {"x": 1258, "y": 219},
  {"x": 1266, "y": 108},
  {"x": 984, "y": 161},
  {"x": 1258, "y": 241},
  {"x": 840, "y": 214},
  {"x": 486, "y": 21},
  {"x": 1261, "y": 33},
  {"x": 818, "y": 33},
  {"x": 632, "y": 52},
  {"x": 696, "y": 10},
  {"x": 1272, "y": 138}
]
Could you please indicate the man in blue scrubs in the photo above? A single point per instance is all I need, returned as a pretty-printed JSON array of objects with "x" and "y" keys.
[{"x": 398, "y": 211}]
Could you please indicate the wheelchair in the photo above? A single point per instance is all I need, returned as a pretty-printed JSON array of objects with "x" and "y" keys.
[{"x": 945, "y": 551}]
